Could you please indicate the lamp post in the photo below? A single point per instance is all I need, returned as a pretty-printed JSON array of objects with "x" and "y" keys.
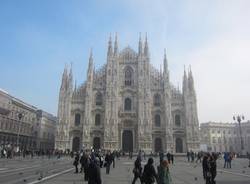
[
  {"x": 20, "y": 116},
  {"x": 239, "y": 118}
]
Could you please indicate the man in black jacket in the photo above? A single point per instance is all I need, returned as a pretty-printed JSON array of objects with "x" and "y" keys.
[{"x": 94, "y": 174}]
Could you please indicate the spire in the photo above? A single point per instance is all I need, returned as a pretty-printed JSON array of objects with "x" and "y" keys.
[
  {"x": 184, "y": 82},
  {"x": 190, "y": 79},
  {"x": 110, "y": 48},
  {"x": 146, "y": 47},
  {"x": 140, "y": 46},
  {"x": 90, "y": 68},
  {"x": 75, "y": 85},
  {"x": 70, "y": 78},
  {"x": 64, "y": 77},
  {"x": 165, "y": 69},
  {"x": 165, "y": 61},
  {"x": 116, "y": 45}
]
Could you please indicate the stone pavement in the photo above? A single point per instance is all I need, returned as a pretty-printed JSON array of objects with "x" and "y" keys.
[{"x": 182, "y": 173}]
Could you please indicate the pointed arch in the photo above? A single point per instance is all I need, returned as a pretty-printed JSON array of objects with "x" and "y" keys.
[
  {"x": 128, "y": 76},
  {"x": 157, "y": 120},
  {"x": 98, "y": 98},
  {"x": 97, "y": 119},
  {"x": 77, "y": 119},
  {"x": 157, "y": 99},
  {"x": 128, "y": 104}
]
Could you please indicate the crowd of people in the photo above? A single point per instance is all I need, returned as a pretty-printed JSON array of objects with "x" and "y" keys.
[
  {"x": 9, "y": 153},
  {"x": 148, "y": 175}
]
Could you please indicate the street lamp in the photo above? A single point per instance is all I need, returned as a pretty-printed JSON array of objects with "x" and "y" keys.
[{"x": 239, "y": 118}]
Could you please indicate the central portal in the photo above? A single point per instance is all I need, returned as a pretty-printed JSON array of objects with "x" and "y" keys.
[{"x": 127, "y": 141}]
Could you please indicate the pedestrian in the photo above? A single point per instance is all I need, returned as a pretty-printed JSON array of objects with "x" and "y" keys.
[
  {"x": 149, "y": 175},
  {"x": 161, "y": 155},
  {"x": 192, "y": 156},
  {"x": 113, "y": 158},
  {"x": 163, "y": 173},
  {"x": 94, "y": 174},
  {"x": 213, "y": 167},
  {"x": 76, "y": 162},
  {"x": 248, "y": 156},
  {"x": 169, "y": 157},
  {"x": 82, "y": 163},
  {"x": 86, "y": 162},
  {"x": 226, "y": 159},
  {"x": 230, "y": 158},
  {"x": 108, "y": 161},
  {"x": 188, "y": 156},
  {"x": 205, "y": 166},
  {"x": 172, "y": 158},
  {"x": 137, "y": 170}
]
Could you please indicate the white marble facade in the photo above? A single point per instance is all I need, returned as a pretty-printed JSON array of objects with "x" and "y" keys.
[{"x": 127, "y": 105}]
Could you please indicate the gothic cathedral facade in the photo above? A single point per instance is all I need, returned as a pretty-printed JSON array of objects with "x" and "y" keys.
[{"x": 127, "y": 105}]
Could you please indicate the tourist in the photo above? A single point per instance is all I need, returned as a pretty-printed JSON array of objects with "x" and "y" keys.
[
  {"x": 188, "y": 156},
  {"x": 137, "y": 170},
  {"x": 108, "y": 161},
  {"x": 76, "y": 162},
  {"x": 113, "y": 158},
  {"x": 86, "y": 161},
  {"x": 161, "y": 155},
  {"x": 213, "y": 166},
  {"x": 163, "y": 173},
  {"x": 192, "y": 156},
  {"x": 94, "y": 174},
  {"x": 205, "y": 166},
  {"x": 149, "y": 175},
  {"x": 172, "y": 158},
  {"x": 226, "y": 160},
  {"x": 169, "y": 157}
]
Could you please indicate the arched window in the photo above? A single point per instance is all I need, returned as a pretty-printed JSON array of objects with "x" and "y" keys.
[
  {"x": 128, "y": 76},
  {"x": 98, "y": 99},
  {"x": 177, "y": 120},
  {"x": 157, "y": 100},
  {"x": 128, "y": 104},
  {"x": 97, "y": 119},
  {"x": 157, "y": 120},
  {"x": 77, "y": 119}
]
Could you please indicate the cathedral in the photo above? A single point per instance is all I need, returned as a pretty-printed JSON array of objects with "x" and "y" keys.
[{"x": 127, "y": 105}]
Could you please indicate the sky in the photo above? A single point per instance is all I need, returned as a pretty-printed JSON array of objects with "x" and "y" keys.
[{"x": 37, "y": 39}]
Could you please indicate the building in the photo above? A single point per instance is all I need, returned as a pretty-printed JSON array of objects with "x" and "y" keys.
[
  {"x": 224, "y": 137},
  {"x": 127, "y": 104},
  {"x": 24, "y": 125},
  {"x": 46, "y": 131}
]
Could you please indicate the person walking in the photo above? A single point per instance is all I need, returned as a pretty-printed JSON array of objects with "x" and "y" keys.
[
  {"x": 172, "y": 158},
  {"x": 113, "y": 158},
  {"x": 192, "y": 156},
  {"x": 149, "y": 175},
  {"x": 137, "y": 170},
  {"x": 188, "y": 156},
  {"x": 108, "y": 161},
  {"x": 213, "y": 167},
  {"x": 205, "y": 166},
  {"x": 163, "y": 173},
  {"x": 169, "y": 157},
  {"x": 76, "y": 162},
  {"x": 85, "y": 164},
  {"x": 161, "y": 155},
  {"x": 226, "y": 159},
  {"x": 94, "y": 174}
]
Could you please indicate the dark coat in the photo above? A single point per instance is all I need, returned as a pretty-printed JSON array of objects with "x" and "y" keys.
[
  {"x": 149, "y": 175},
  {"x": 94, "y": 174}
]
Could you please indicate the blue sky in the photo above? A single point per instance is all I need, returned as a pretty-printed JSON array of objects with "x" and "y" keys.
[{"x": 38, "y": 37}]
